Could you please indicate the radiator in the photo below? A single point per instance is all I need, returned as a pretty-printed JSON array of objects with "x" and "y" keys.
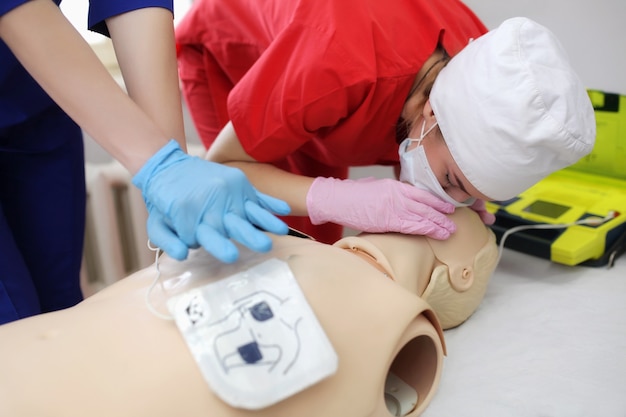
[{"x": 115, "y": 230}]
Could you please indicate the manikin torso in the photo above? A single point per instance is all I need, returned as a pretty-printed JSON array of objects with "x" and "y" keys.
[{"x": 111, "y": 356}]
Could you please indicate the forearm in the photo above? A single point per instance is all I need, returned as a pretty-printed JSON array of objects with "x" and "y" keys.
[
  {"x": 368, "y": 204},
  {"x": 145, "y": 49},
  {"x": 70, "y": 72},
  {"x": 267, "y": 178}
]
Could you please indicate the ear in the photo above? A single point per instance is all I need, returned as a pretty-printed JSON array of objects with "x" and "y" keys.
[{"x": 428, "y": 113}]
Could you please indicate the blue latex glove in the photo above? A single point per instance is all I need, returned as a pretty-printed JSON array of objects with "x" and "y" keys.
[{"x": 193, "y": 202}]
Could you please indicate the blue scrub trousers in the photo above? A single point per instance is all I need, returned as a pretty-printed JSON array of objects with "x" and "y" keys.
[{"x": 42, "y": 215}]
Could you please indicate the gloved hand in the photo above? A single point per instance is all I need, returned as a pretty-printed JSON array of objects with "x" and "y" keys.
[
  {"x": 193, "y": 202},
  {"x": 379, "y": 205},
  {"x": 479, "y": 207}
]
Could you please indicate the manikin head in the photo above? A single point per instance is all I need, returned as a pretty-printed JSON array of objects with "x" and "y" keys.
[
  {"x": 451, "y": 275},
  {"x": 503, "y": 113}
]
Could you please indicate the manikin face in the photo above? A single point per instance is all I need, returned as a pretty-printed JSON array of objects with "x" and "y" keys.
[{"x": 445, "y": 168}]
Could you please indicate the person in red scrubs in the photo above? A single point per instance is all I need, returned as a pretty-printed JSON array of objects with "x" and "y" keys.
[
  {"x": 313, "y": 87},
  {"x": 295, "y": 92}
]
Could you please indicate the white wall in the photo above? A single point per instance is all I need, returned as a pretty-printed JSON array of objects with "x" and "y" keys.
[{"x": 592, "y": 31}]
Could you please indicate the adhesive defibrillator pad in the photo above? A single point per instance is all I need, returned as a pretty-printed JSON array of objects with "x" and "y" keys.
[{"x": 254, "y": 336}]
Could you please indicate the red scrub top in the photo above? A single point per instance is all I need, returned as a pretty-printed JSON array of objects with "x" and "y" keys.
[{"x": 312, "y": 86}]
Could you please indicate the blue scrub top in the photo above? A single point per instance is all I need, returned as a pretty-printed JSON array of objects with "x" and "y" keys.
[{"x": 20, "y": 95}]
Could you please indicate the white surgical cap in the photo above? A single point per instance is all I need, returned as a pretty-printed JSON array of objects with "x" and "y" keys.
[{"x": 512, "y": 110}]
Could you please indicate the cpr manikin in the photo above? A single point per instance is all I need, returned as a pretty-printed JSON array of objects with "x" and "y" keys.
[{"x": 111, "y": 355}]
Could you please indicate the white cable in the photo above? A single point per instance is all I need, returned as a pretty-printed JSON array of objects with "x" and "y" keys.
[
  {"x": 157, "y": 280},
  {"x": 592, "y": 221}
]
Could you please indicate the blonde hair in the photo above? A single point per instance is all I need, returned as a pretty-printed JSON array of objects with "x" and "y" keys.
[{"x": 423, "y": 88}]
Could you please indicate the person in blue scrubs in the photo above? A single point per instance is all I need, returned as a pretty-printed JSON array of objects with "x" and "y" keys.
[{"x": 51, "y": 83}]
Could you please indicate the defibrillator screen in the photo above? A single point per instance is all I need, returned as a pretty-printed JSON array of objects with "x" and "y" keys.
[{"x": 546, "y": 209}]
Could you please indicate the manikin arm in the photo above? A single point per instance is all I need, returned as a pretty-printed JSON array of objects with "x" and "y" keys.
[{"x": 65, "y": 66}]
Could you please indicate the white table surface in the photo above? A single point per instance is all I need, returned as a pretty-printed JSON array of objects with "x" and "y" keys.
[{"x": 548, "y": 340}]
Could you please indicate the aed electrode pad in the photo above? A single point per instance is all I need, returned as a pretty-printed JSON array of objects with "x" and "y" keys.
[{"x": 254, "y": 336}]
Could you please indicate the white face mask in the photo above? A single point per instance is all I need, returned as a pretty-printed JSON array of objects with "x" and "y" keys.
[{"x": 415, "y": 169}]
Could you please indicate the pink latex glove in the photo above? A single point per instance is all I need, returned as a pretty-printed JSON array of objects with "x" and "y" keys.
[
  {"x": 479, "y": 207},
  {"x": 378, "y": 206}
]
